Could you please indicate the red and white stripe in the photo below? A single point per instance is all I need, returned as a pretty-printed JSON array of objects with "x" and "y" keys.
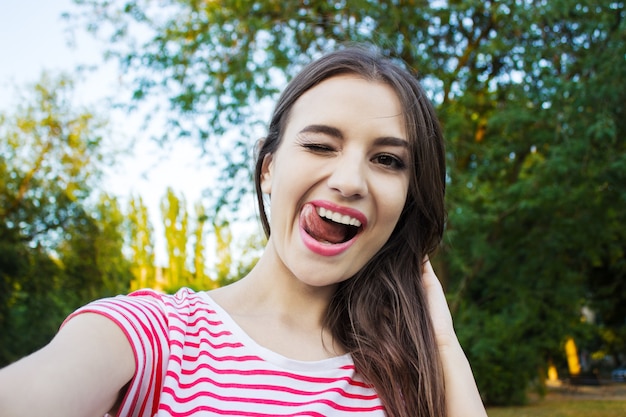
[{"x": 194, "y": 360}]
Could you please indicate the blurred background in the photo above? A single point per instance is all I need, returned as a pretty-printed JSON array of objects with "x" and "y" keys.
[{"x": 126, "y": 137}]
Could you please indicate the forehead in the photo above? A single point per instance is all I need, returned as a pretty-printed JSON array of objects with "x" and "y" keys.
[{"x": 351, "y": 97}]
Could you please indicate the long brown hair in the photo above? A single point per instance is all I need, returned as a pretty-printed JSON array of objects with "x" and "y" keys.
[{"x": 380, "y": 314}]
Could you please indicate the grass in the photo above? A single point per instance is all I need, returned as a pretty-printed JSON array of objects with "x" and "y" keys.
[{"x": 564, "y": 408}]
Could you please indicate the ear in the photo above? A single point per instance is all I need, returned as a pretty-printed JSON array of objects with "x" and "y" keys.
[{"x": 266, "y": 173}]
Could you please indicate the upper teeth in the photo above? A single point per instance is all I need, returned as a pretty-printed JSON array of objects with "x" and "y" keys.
[{"x": 338, "y": 217}]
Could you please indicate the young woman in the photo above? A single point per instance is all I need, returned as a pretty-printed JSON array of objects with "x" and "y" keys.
[{"x": 342, "y": 315}]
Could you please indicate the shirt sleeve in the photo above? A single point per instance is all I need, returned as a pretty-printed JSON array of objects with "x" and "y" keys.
[{"x": 143, "y": 319}]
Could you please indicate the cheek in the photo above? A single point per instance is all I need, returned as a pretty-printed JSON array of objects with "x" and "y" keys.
[
  {"x": 393, "y": 215},
  {"x": 393, "y": 201},
  {"x": 389, "y": 212}
]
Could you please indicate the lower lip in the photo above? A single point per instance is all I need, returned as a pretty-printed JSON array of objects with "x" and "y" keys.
[{"x": 324, "y": 249}]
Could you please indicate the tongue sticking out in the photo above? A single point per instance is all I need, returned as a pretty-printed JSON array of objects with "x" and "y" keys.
[{"x": 324, "y": 230}]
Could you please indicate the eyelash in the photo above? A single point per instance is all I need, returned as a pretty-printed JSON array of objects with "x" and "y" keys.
[
  {"x": 394, "y": 162},
  {"x": 318, "y": 147}
]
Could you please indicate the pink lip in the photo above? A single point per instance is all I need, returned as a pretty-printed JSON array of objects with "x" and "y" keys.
[{"x": 326, "y": 249}]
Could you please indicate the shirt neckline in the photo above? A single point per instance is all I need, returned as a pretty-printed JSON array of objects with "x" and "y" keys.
[{"x": 269, "y": 355}]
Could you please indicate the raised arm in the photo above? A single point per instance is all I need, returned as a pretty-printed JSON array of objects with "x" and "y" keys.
[
  {"x": 462, "y": 396},
  {"x": 79, "y": 373}
]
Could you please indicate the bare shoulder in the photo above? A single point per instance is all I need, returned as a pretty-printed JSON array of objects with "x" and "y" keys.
[{"x": 80, "y": 372}]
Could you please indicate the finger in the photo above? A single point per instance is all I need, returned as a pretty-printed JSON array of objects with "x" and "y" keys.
[
  {"x": 427, "y": 267},
  {"x": 431, "y": 282}
]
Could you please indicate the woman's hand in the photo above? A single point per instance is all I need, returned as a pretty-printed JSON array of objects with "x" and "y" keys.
[
  {"x": 438, "y": 307},
  {"x": 462, "y": 396}
]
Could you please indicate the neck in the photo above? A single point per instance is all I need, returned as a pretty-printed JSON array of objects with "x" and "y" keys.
[
  {"x": 280, "y": 312},
  {"x": 272, "y": 289}
]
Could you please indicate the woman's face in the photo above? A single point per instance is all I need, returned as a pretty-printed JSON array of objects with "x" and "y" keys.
[{"x": 339, "y": 179}]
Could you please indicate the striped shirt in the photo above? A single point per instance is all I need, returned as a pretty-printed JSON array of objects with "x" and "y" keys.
[{"x": 192, "y": 359}]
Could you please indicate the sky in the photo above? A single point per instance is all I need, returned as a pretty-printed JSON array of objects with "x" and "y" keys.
[{"x": 33, "y": 38}]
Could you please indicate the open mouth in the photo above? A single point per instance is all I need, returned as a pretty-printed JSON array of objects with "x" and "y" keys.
[{"x": 327, "y": 226}]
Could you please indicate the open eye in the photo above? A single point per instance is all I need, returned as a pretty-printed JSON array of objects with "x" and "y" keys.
[{"x": 389, "y": 160}]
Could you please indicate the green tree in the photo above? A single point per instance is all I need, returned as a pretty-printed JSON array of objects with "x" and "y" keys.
[
  {"x": 141, "y": 238},
  {"x": 531, "y": 95},
  {"x": 537, "y": 173},
  {"x": 114, "y": 267},
  {"x": 234, "y": 258},
  {"x": 223, "y": 252},
  {"x": 92, "y": 255},
  {"x": 176, "y": 221},
  {"x": 50, "y": 156},
  {"x": 200, "y": 278}
]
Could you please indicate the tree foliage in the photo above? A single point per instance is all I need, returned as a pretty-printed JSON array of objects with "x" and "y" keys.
[
  {"x": 180, "y": 238},
  {"x": 63, "y": 242},
  {"x": 531, "y": 94},
  {"x": 56, "y": 250},
  {"x": 200, "y": 277},
  {"x": 537, "y": 173},
  {"x": 141, "y": 242},
  {"x": 176, "y": 222}
]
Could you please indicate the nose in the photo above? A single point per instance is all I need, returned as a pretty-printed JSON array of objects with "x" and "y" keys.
[{"x": 348, "y": 177}]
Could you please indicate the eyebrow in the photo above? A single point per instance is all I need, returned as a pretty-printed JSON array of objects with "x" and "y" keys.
[
  {"x": 324, "y": 129},
  {"x": 336, "y": 133},
  {"x": 391, "y": 141}
]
